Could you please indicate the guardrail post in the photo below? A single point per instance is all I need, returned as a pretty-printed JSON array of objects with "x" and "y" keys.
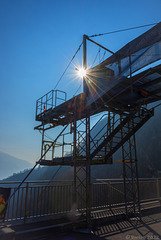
[
  {"x": 158, "y": 192},
  {"x": 26, "y": 198},
  {"x": 109, "y": 194}
]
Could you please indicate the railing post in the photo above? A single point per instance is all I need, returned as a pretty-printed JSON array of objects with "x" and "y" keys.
[
  {"x": 109, "y": 194},
  {"x": 158, "y": 192},
  {"x": 26, "y": 198}
]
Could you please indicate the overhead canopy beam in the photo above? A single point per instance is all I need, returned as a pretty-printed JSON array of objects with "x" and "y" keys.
[{"x": 100, "y": 45}]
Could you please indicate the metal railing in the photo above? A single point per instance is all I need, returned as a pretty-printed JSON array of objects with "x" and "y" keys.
[
  {"x": 39, "y": 199},
  {"x": 50, "y": 100}
]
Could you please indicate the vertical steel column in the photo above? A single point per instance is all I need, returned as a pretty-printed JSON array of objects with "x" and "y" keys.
[
  {"x": 75, "y": 155},
  {"x": 130, "y": 171},
  {"x": 109, "y": 130},
  {"x": 88, "y": 168},
  {"x": 42, "y": 144},
  {"x": 82, "y": 171},
  {"x": 88, "y": 171},
  {"x": 124, "y": 169},
  {"x": 137, "y": 189},
  {"x": 84, "y": 62}
]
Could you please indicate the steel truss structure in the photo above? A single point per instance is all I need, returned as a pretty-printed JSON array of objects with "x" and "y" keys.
[
  {"x": 91, "y": 147},
  {"x": 82, "y": 146}
]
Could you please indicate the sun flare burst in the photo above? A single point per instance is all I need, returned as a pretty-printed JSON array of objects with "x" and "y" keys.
[{"x": 81, "y": 72}]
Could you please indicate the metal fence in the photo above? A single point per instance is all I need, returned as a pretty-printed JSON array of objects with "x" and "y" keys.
[{"x": 39, "y": 199}]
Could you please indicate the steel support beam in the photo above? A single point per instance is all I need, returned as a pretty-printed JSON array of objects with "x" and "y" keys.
[
  {"x": 130, "y": 172},
  {"x": 88, "y": 171}
]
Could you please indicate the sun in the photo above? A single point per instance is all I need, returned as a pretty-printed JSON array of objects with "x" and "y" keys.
[{"x": 81, "y": 72}]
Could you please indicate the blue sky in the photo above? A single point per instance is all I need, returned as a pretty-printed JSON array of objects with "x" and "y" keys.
[{"x": 38, "y": 38}]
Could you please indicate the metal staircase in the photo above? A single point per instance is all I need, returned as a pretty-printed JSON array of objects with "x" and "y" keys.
[
  {"x": 105, "y": 139},
  {"x": 108, "y": 139}
]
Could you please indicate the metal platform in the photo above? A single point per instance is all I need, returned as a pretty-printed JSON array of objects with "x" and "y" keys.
[
  {"x": 131, "y": 93},
  {"x": 122, "y": 99}
]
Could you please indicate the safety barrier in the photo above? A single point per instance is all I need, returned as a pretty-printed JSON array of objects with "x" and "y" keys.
[{"x": 39, "y": 199}]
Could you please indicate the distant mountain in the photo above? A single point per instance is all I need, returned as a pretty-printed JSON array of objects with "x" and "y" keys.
[
  {"x": 10, "y": 165},
  {"x": 44, "y": 173}
]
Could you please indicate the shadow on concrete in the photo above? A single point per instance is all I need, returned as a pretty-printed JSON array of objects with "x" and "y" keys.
[
  {"x": 149, "y": 227},
  {"x": 52, "y": 235}
]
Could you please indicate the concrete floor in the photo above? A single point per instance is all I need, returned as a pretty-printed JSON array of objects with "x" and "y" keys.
[
  {"x": 148, "y": 228},
  {"x": 115, "y": 228}
]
